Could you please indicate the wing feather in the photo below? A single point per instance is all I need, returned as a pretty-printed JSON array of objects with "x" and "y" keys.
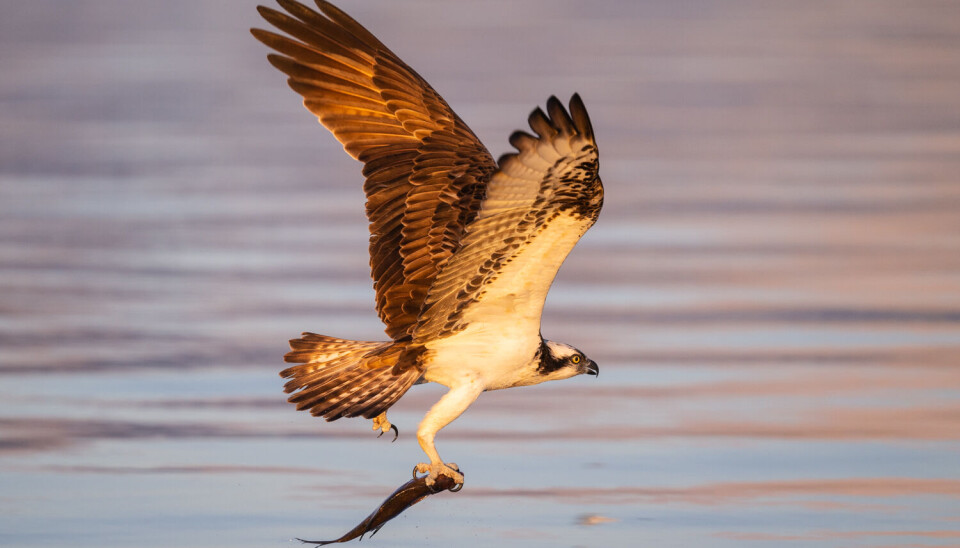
[
  {"x": 552, "y": 174},
  {"x": 425, "y": 169}
]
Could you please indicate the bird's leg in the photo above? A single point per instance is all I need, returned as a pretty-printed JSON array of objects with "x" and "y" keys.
[
  {"x": 381, "y": 423},
  {"x": 450, "y": 406}
]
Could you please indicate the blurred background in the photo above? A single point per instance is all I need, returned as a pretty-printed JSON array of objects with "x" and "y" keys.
[{"x": 772, "y": 291}]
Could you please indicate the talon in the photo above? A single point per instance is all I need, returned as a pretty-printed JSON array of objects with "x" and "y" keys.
[
  {"x": 422, "y": 468},
  {"x": 381, "y": 423},
  {"x": 435, "y": 470}
]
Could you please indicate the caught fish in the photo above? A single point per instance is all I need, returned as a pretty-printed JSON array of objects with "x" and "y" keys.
[{"x": 406, "y": 496}]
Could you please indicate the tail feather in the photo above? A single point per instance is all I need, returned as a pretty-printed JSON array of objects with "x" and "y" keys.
[
  {"x": 370, "y": 394},
  {"x": 390, "y": 393},
  {"x": 344, "y": 390},
  {"x": 321, "y": 384},
  {"x": 341, "y": 378}
]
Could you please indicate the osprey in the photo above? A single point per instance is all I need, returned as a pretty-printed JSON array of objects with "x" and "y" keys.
[{"x": 462, "y": 249}]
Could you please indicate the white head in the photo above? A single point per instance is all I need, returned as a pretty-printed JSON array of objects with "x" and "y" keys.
[{"x": 562, "y": 361}]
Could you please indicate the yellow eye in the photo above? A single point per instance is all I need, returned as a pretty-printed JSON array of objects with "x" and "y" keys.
[{"x": 575, "y": 359}]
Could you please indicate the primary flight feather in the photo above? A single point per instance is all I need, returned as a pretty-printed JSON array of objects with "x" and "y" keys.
[{"x": 462, "y": 249}]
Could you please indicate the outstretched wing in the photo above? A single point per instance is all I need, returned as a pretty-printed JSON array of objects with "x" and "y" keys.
[
  {"x": 537, "y": 206},
  {"x": 425, "y": 169}
]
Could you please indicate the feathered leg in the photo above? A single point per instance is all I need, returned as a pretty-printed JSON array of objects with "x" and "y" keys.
[{"x": 450, "y": 406}]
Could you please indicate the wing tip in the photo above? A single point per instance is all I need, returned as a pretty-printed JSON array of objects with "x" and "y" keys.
[
  {"x": 521, "y": 140},
  {"x": 270, "y": 14},
  {"x": 558, "y": 120},
  {"x": 581, "y": 120},
  {"x": 264, "y": 36},
  {"x": 501, "y": 161},
  {"x": 558, "y": 115}
]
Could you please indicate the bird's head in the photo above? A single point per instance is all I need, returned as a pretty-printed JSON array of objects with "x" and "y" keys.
[{"x": 562, "y": 361}]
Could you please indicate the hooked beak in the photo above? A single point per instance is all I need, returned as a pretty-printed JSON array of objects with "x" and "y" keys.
[{"x": 591, "y": 368}]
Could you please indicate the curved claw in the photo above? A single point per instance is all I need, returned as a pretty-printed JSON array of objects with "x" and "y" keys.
[
  {"x": 432, "y": 486},
  {"x": 396, "y": 433}
]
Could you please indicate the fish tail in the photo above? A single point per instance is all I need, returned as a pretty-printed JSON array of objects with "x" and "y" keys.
[{"x": 342, "y": 378}]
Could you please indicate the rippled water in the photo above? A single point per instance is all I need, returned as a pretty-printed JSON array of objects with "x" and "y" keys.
[{"x": 772, "y": 291}]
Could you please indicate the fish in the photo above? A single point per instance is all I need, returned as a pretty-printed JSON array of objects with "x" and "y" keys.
[{"x": 404, "y": 497}]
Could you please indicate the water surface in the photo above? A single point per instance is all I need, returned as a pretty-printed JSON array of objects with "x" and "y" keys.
[{"x": 772, "y": 291}]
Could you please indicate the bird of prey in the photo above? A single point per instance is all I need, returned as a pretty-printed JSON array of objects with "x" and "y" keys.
[{"x": 463, "y": 249}]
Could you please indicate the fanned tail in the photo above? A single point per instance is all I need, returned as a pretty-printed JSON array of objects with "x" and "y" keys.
[{"x": 342, "y": 378}]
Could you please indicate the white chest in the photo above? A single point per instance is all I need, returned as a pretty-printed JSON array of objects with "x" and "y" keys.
[
  {"x": 502, "y": 335},
  {"x": 489, "y": 352}
]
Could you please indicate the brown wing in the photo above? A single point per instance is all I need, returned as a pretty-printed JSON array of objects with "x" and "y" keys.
[
  {"x": 425, "y": 169},
  {"x": 537, "y": 206}
]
